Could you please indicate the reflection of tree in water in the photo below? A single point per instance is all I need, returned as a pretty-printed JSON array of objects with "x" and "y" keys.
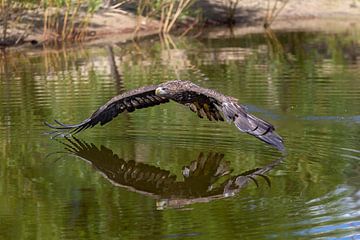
[
  {"x": 204, "y": 179},
  {"x": 277, "y": 53},
  {"x": 116, "y": 75}
]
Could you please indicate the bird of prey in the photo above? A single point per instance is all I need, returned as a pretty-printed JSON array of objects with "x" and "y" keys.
[{"x": 205, "y": 102}]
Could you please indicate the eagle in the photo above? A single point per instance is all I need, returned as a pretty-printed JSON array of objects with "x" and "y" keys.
[{"x": 206, "y": 103}]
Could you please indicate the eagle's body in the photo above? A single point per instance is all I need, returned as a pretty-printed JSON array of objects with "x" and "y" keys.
[{"x": 205, "y": 102}]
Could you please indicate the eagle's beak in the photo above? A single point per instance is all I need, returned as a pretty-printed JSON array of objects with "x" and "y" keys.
[{"x": 160, "y": 91}]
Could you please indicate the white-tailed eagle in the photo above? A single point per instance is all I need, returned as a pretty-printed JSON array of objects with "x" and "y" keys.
[{"x": 205, "y": 102}]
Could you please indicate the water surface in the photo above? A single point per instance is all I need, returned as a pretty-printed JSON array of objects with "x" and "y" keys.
[{"x": 306, "y": 84}]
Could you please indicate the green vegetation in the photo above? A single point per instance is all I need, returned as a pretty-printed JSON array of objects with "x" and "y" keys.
[
  {"x": 65, "y": 19},
  {"x": 68, "y": 20},
  {"x": 60, "y": 19},
  {"x": 168, "y": 11}
]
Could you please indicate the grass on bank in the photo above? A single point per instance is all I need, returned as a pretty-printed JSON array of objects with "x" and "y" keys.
[{"x": 68, "y": 20}]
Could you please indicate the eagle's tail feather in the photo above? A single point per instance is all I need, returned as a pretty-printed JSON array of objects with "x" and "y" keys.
[
  {"x": 62, "y": 129},
  {"x": 63, "y": 126}
]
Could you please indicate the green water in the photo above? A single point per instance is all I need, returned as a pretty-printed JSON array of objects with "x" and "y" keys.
[{"x": 306, "y": 84}]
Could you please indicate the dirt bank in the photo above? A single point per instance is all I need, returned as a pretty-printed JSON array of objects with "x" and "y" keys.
[{"x": 119, "y": 25}]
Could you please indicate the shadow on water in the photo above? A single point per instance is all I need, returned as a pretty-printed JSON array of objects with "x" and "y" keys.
[{"x": 205, "y": 179}]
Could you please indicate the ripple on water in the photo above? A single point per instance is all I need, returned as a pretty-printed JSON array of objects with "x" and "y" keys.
[
  {"x": 311, "y": 99},
  {"x": 334, "y": 214}
]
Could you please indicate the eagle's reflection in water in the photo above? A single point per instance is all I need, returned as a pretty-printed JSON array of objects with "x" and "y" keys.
[{"x": 207, "y": 178}]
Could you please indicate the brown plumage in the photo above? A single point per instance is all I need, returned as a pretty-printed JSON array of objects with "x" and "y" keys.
[{"x": 205, "y": 102}]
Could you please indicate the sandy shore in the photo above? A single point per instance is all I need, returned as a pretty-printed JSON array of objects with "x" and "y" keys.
[{"x": 326, "y": 15}]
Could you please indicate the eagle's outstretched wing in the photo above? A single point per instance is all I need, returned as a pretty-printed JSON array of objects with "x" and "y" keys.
[
  {"x": 205, "y": 102},
  {"x": 216, "y": 106},
  {"x": 135, "y": 99}
]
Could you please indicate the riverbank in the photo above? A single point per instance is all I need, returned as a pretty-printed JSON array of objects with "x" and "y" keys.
[{"x": 120, "y": 25}]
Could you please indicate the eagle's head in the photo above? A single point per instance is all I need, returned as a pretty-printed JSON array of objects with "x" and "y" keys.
[
  {"x": 172, "y": 89},
  {"x": 162, "y": 92}
]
